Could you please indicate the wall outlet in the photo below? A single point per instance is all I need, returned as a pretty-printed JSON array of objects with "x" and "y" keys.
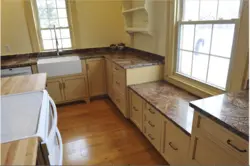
[{"x": 7, "y": 48}]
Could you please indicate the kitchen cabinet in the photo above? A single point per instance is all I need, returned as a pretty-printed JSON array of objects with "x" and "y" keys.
[
  {"x": 136, "y": 109},
  {"x": 210, "y": 139},
  {"x": 175, "y": 143},
  {"x": 75, "y": 87},
  {"x": 55, "y": 89},
  {"x": 109, "y": 75},
  {"x": 68, "y": 88},
  {"x": 96, "y": 76}
]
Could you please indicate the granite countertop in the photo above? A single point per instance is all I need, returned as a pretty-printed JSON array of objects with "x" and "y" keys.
[
  {"x": 124, "y": 59},
  {"x": 229, "y": 110},
  {"x": 170, "y": 101}
]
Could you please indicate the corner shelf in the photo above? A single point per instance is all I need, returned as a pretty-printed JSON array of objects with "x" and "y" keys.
[{"x": 135, "y": 30}]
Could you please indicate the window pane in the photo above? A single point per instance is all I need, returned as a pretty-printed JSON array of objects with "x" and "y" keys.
[
  {"x": 58, "y": 35},
  {"x": 65, "y": 33},
  {"x": 61, "y": 4},
  {"x": 228, "y": 9},
  {"x": 63, "y": 22},
  {"x": 47, "y": 44},
  {"x": 62, "y": 13},
  {"x": 200, "y": 64},
  {"x": 185, "y": 62},
  {"x": 43, "y": 13},
  {"x": 208, "y": 9},
  {"x": 187, "y": 37},
  {"x": 66, "y": 43},
  {"x": 222, "y": 40},
  {"x": 59, "y": 43},
  {"x": 41, "y": 4},
  {"x": 202, "y": 38},
  {"x": 44, "y": 23},
  {"x": 218, "y": 70},
  {"x": 46, "y": 34},
  {"x": 54, "y": 22},
  {"x": 51, "y": 4},
  {"x": 191, "y": 10},
  {"x": 52, "y": 13}
]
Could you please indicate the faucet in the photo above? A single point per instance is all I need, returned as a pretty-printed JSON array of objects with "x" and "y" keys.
[{"x": 57, "y": 44}]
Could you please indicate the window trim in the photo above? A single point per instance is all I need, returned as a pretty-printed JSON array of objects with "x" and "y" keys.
[
  {"x": 189, "y": 84},
  {"x": 38, "y": 28}
]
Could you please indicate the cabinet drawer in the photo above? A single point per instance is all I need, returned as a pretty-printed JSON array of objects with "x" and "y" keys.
[
  {"x": 120, "y": 101},
  {"x": 226, "y": 139},
  {"x": 117, "y": 68},
  {"x": 153, "y": 135},
  {"x": 119, "y": 82},
  {"x": 175, "y": 144},
  {"x": 151, "y": 114},
  {"x": 136, "y": 109}
]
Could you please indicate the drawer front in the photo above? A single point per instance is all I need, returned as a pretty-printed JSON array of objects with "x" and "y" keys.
[
  {"x": 175, "y": 144},
  {"x": 151, "y": 115},
  {"x": 120, "y": 101},
  {"x": 136, "y": 110},
  {"x": 119, "y": 82},
  {"x": 153, "y": 135},
  {"x": 226, "y": 139},
  {"x": 117, "y": 68}
]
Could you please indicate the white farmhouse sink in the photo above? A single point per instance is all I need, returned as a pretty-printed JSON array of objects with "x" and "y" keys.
[{"x": 59, "y": 66}]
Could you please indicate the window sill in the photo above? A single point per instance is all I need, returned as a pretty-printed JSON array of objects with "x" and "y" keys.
[{"x": 197, "y": 88}]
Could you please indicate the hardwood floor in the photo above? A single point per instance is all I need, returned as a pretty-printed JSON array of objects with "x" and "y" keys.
[{"x": 96, "y": 133}]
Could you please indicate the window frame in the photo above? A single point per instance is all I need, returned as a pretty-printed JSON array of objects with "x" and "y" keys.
[
  {"x": 38, "y": 28},
  {"x": 174, "y": 8}
]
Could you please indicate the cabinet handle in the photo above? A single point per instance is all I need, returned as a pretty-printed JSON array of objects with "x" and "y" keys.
[
  {"x": 116, "y": 68},
  {"x": 150, "y": 123},
  {"x": 117, "y": 83},
  {"x": 152, "y": 112},
  {"x": 229, "y": 142},
  {"x": 171, "y": 145},
  {"x": 135, "y": 108},
  {"x": 150, "y": 136}
]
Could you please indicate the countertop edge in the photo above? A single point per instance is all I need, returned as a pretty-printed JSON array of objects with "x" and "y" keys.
[
  {"x": 220, "y": 122},
  {"x": 175, "y": 123}
]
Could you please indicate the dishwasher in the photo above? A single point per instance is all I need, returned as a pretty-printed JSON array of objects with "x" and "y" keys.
[{"x": 16, "y": 71}]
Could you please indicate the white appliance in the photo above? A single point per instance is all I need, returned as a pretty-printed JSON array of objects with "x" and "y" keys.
[
  {"x": 32, "y": 114},
  {"x": 16, "y": 71}
]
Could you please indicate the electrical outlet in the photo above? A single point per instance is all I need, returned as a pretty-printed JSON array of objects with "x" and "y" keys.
[{"x": 7, "y": 48}]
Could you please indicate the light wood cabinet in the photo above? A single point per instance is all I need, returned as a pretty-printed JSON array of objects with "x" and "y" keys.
[
  {"x": 175, "y": 143},
  {"x": 109, "y": 74},
  {"x": 75, "y": 87},
  {"x": 212, "y": 144},
  {"x": 96, "y": 76},
  {"x": 55, "y": 89},
  {"x": 136, "y": 109}
]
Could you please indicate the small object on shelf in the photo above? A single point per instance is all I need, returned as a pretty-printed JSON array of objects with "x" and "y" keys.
[
  {"x": 121, "y": 46},
  {"x": 113, "y": 47}
]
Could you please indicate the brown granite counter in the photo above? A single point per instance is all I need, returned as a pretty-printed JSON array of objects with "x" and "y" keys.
[
  {"x": 229, "y": 110},
  {"x": 125, "y": 59},
  {"x": 170, "y": 101}
]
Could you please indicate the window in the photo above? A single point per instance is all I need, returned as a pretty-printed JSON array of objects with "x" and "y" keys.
[
  {"x": 206, "y": 31},
  {"x": 53, "y": 13}
]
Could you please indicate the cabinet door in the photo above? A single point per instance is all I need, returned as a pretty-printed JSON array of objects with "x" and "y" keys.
[
  {"x": 54, "y": 87},
  {"x": 203, "y": 151},
  {"x": 109, "y": 77},
  {"x": 136, "y": 110},
  {"x": 75, "y": 87},
  {"x": 96, "y": 77}
]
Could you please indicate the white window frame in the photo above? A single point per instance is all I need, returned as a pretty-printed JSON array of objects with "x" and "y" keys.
[
  {"x": 194, "y": 86},
  {"x": 39, "y": 29}
]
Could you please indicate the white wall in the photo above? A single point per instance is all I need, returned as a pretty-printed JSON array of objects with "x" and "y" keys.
[{"x": 155, "y": 43}]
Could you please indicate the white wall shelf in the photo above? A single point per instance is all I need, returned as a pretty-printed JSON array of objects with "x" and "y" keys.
[
  {"x": 133, "y": 10},
  {"x": 137, "y": 30}
]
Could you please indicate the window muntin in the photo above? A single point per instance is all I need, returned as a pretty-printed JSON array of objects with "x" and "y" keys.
[
  {"x": 206, "y": 35},
  {"x": 53, "y": 13}
]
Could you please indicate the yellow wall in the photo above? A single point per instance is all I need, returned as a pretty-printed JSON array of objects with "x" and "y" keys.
[
  {"x": 96, "y": 24},
  {"x": 14, "y": 30},
  {"x": 100, "y": 23}
]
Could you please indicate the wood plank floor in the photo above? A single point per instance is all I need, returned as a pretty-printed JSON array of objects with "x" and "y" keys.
[{"x": 96, "y": 133}]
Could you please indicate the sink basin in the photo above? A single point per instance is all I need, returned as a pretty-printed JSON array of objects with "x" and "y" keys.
[{"x": 59, "y": 66}]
